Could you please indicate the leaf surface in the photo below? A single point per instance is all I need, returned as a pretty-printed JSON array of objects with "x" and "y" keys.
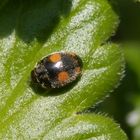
[{"x": 31, "y": 30}]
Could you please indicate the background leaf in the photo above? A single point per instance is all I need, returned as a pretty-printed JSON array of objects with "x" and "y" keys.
[
  {"x": 132, "y": 56},
  {"x": 126, "y": 98},
  {"x": 30, "y": 30}
]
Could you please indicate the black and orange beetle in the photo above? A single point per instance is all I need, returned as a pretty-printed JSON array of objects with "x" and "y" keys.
[{"x": 57, "y": 70}]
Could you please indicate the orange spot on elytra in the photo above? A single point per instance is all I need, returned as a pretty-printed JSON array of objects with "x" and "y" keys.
[
  {"x": 55, "y": 57},
  {"x": 63, "y": 76}
]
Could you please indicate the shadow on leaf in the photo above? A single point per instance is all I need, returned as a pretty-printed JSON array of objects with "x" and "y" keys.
[
  {"x": 32, "y": 19},
  {"x": 52, "y": 92}
]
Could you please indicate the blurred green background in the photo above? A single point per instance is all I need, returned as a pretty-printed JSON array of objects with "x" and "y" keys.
[{"x": 124, "y": 104}]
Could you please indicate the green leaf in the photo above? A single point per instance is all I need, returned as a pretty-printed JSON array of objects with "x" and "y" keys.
[
  {"x": 91, "y": 125},
  {"x": 30, "y": 30}
]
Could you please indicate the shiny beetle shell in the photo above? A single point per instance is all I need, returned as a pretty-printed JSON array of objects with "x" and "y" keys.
[{"x": 57, "y": 70}]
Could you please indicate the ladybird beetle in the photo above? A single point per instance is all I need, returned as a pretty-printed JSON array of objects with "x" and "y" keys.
[{"x": 57, "y": 70}]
